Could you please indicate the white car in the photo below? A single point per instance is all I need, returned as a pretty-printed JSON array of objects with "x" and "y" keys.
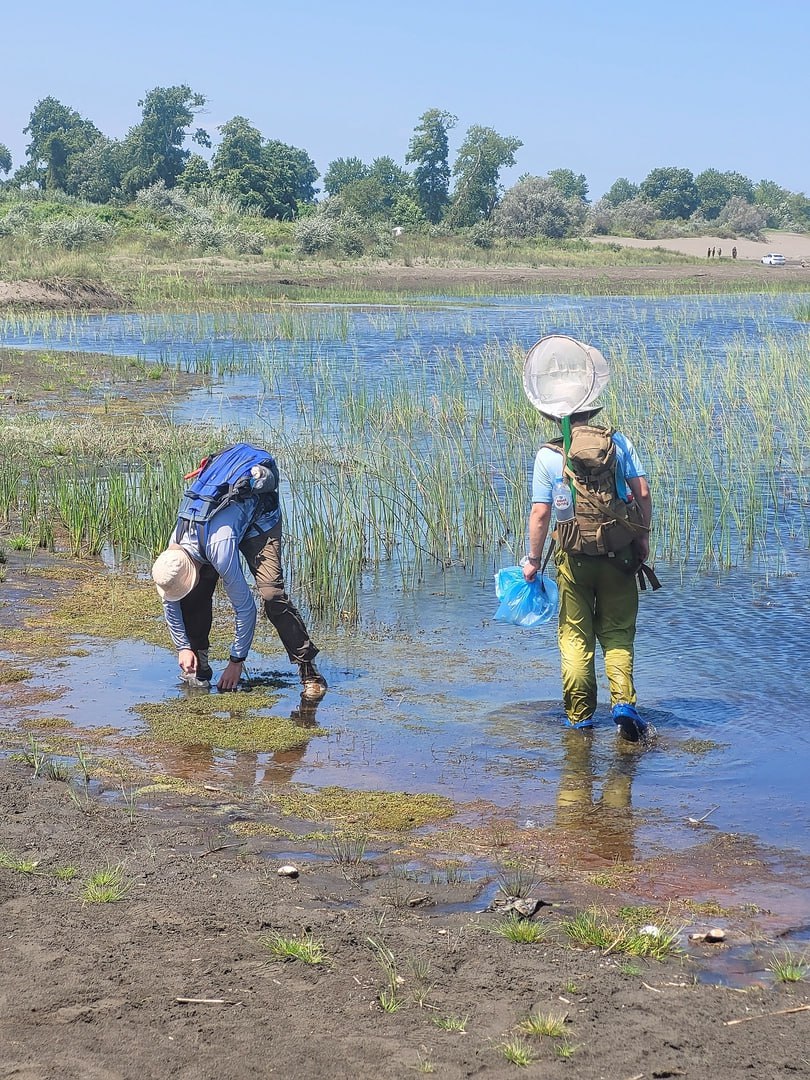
[{"x": 774, "y": 260}]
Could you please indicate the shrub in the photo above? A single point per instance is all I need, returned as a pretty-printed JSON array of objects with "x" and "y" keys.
[
  {"x": 314, "y": 234},
  {"x": 536, "y": 207},
  {"x": 74, "y": 232},
  {"x": 741, "y": 218}
]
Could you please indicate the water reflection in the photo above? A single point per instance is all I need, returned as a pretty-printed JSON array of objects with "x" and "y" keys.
[
  {"x": 600, "y": 818},
  {"x": 243, "y": 768}
]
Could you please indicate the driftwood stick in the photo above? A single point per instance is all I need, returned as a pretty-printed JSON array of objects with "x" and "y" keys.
[
  {"x": 204, "y": 1001},
  {"x": 763, "y": 1016}
]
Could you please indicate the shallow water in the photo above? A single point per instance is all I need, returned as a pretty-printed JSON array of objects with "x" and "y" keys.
[{"x": 432, "y": 695}]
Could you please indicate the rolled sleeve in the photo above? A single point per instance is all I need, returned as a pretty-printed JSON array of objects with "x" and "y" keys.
[{"x": 547, "y": 468}]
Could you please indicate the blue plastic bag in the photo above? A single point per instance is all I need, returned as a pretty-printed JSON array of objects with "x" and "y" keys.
[{"x": 524, "y": 603}]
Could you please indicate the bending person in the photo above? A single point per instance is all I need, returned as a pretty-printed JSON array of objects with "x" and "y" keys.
[{"x": 231, "y": 508}]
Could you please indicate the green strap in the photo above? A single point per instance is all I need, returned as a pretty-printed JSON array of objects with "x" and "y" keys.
[{"x": 566, "y": 430}]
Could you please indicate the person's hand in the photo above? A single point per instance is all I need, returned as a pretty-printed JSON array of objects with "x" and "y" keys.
[
  {"x": 229, "y": 679},
  {"x": 642, "y": 547},
  {"x": 530, "y": 572},
  {"x": 187, "y": 659}
]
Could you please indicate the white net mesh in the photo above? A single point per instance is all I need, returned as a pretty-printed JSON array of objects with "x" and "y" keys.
[{"x": 562, "y": 376}]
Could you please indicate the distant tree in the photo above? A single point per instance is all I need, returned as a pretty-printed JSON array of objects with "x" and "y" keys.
[
  {"x": 57, "y": 133},
  {"x": 620, "y": 191},
  {"x": 477, "y": 169},
  {"x": 672, "y": 191},
  {"x": 569, "y": 184},
  {"x": 343, "y": 171},
  {"x": 535, "y": 207},
  {"x": 773, "y": 201},
  {"x": 428, "y": 151},
  {"x": 374, "y": 196},
  {"x": 798, "y": 215},
  {"x": 154, "y": 147},
  {"x": 270, "y": 175},
  {"x": 95, "y": 173},
  {"x": 291, "y": 174},
  {"x": 196, "y": 173},
  {"x": 716, "y": 188},
  {"x": 5, "y": 159}
]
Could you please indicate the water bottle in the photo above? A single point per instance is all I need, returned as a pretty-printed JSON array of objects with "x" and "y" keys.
[{"x": 561, "y": 500}]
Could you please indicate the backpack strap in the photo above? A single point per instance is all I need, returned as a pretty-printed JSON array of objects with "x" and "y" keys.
[{"x": 647, "y": 572}]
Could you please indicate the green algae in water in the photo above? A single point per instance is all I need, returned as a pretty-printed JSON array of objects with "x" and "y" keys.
[
  {"x": 391, "y": 810},
  {"x": 225, "y": 722},
  {"x": 13, "y": 674}
]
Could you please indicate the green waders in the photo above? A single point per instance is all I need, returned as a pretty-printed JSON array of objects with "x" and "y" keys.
[{"x": 598, "y": 602}]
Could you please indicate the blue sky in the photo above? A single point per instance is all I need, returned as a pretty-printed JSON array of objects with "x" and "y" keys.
[{"x": 606, "y": 89}]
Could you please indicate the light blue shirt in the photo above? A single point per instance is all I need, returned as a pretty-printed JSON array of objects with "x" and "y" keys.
[
  {"x": 219, "y": 546},
  {"x": 548, "y": 467}
]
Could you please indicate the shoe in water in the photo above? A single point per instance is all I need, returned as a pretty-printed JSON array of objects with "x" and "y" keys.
[
  {"x": 628, "y": 722},
  {"x": 313, "y": 684},
  {"x": 583, "y": 725},
  {"x": 201, "y": 678},
  {"x": 197, "y": 680}
]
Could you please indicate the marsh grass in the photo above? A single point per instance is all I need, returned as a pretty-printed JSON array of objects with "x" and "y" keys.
[
  {"x": 427, "y": 467},
  {"x": 65, "y": 873},
  {"x": 305, "y": 948},
  {"x": 549, "y": 1024},
  {"x": 347, "y": 849},
  {"x": 521, "y": 931},
  {"x": 457, "y": 1024},
  {"x": 106, "y": 886},
  {"x": 594, "y": 929},
  {"x": 18, "y": 863},
  {"x": 389, "y": 996},
  {"x": 787, "y": 967},
  {"x": 516, "y": 1051},
  {"x": 517, "y": 879}
]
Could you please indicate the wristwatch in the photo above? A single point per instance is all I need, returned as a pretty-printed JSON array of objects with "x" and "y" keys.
[{"x": 532, "y": 560}]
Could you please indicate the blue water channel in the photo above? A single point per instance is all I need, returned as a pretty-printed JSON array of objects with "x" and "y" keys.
[{"x": 430, "y": 694}]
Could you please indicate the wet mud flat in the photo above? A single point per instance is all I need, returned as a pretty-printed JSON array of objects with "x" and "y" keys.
[{"x": 178, "y": 977}]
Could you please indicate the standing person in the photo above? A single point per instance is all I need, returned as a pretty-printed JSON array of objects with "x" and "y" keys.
[
  {"x": 734, "y": 253},
  {"x": 231, "y": 507},
  {"x": 599, "y": 551}
]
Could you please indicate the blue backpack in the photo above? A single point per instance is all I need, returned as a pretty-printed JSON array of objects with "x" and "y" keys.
[{"x": 224, "y": 478}]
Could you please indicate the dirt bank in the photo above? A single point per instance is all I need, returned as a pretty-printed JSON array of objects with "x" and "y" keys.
[{"x": 58, "y": 293}]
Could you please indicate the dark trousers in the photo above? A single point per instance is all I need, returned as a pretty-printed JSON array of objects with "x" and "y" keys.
[{"x": 262, "y": 553}]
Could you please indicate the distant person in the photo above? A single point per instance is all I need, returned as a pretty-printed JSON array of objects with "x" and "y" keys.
[
  {"x": 230, "y": 508},
  {"x": 709, "y": 253},
  {"x": 712, "y": 252},
  {"x": 599, "y": 549},
  {"x": 719, "y": 253},
  {"x": 734, "y": 253}
]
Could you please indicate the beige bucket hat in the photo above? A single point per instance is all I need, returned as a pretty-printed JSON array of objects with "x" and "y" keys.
[{"x": 174, "y": 573}]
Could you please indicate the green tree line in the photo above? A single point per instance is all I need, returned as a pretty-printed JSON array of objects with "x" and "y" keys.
[{"x": 67, "y": 153}]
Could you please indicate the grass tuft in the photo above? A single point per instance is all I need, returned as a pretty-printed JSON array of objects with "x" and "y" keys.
[
  {"x": 452, "y": 1023},
  {"x": 106, "y": 886},
  {"x": 517, "y": 1052},
  {"x": 543, "y": 1024},
  {"x": 521, "y": 931},
  {"x": 306, "y": 948},
  {"x": 787, "y": 967}
]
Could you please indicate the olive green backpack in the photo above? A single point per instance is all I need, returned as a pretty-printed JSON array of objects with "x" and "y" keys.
[{"x": 603, "y": 522}]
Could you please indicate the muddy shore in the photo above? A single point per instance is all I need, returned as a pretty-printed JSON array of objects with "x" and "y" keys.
[{"x": 176, "y": 979}]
